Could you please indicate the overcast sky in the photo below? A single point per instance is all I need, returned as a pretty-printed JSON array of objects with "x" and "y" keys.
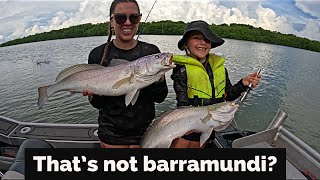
[{"x": 19, "y": 18}]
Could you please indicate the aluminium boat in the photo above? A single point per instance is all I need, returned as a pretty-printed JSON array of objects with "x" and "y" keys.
[{"x": 302, "y": 161}]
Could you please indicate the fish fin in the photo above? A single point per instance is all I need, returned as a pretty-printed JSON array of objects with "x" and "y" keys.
[
  {"x": 205, "y": 136},
  {"x": 135, "y": 97},
  {"x": 75, "y": 69},
  {"x": 153, "y": 122},
  {"x": 115, "y": 62},
  {"x": 132, "y": 96},
  {"x": 43, "y": 96},
  {"x": 223, "y": 127},
  {"x": 164, "y": 113},
  {"x": 206, "y": 119},
  {"x": 164, "y": 144},
  {"x": 122, "y": 82},
  {"x": 183, "y": 107}
]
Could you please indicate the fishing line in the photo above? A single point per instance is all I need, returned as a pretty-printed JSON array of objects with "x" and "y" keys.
[{"x": 142, "y": 29}]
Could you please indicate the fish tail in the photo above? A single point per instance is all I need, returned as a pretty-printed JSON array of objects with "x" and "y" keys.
[{"x": 43, "y": 96}]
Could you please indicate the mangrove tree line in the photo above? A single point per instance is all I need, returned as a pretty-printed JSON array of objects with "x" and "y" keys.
[{"x": 232, "y": 31}]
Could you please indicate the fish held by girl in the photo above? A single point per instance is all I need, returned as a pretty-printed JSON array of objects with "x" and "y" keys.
[{"x": 164, "y": 129}]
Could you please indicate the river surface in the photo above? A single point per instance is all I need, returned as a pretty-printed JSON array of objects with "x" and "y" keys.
[{"x": 290, "y": 82}]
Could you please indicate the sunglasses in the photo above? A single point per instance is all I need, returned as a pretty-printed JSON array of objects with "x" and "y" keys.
[{"x": 122, "y": 18}]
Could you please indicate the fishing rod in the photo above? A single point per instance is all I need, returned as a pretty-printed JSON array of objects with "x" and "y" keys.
[
  {"x": 146, "y": 20},
  {"x": 248, "y": 88}
]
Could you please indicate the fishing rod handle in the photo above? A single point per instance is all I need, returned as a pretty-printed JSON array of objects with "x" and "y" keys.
[
  {"x": 249, "y": 87},
  {"x": 250, "y": 84}
]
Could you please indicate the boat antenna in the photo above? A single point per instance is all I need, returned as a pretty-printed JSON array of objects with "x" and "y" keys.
[{"x": 146, "y": 20}]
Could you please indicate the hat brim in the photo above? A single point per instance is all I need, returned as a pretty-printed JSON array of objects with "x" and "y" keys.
[{"x": 215, "y": 40}]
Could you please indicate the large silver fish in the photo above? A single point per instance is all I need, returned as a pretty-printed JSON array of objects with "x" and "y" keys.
[
  {"x": 121, "y": 77},
  {"x": 163, "y": 130}
]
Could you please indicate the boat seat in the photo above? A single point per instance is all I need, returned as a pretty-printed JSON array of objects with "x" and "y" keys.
[
  {"x": 17, "y": 169},
  {"x": 259, "y": 145},
  {"x": 291, "y": 171}
]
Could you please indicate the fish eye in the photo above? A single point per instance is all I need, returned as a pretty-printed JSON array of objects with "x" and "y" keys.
[{"x": 157, "y": 56}]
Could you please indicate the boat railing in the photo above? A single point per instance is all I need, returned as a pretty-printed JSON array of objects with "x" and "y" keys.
[{"x": 298, "y": 153}]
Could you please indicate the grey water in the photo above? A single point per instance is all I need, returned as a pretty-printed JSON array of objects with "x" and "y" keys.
[{"x": 290, "y": 82}]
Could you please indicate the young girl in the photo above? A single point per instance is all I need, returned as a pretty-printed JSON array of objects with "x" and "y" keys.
[{"x": 200, "y": 77}]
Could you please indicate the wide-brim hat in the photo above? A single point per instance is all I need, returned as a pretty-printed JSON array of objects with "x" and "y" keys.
[{"x": 203, "y": 27}]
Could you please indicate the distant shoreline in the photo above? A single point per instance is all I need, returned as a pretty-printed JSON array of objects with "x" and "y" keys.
[{"x": 232, "y": 31}]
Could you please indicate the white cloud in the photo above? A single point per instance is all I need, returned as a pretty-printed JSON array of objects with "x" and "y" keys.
[
  {"x": 20, "y": 18},
  {"x": 88, "y": 12},
  {"x": 311, "y": 7},
  {"x": 312, "y": 30},
  {"x": 268, "y": 19}
]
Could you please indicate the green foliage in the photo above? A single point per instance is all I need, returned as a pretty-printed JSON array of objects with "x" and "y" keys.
[
  {"x": 83, "y": 30},
  {"x": 232, "y": 31},
  {"x": 250, "y": 33},
  {"x": 162, "y": 28}
]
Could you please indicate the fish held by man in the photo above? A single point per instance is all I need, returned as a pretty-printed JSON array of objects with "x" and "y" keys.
[
  {"x": 121, "y": 77},
  {"x": 163, "y": 130}
]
